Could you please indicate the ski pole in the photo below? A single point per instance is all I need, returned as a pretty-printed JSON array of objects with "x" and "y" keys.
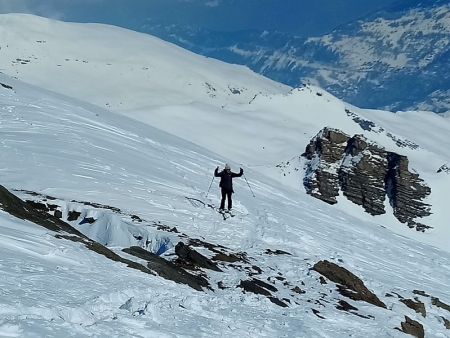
[
  {"x": 249, "y": 186},
  {"x": 209, "y": 188}
]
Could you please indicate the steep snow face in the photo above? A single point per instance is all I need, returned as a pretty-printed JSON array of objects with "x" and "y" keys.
[
  {"x": 74, "y": 151},
  {"x": 117, "y": 68},
  {"x": 259, "y": 126}
]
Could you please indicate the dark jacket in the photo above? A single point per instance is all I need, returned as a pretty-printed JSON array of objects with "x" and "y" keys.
[{"x": 226, "y": 178}]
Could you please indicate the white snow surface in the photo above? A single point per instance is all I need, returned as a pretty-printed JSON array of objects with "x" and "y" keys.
[
  {"x": 227, "y": 109},
  {"x": 117, "y": 68},
  {"x": 59, "y": 140}
]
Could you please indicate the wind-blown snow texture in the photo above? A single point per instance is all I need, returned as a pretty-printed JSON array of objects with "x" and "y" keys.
[{"x": 63, "y": 147}]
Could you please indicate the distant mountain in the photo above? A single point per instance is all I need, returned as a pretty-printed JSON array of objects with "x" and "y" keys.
[{"x": 394, "y": 59}]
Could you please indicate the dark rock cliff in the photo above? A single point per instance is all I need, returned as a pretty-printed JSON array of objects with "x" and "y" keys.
[{"x": 366, "y": 174}]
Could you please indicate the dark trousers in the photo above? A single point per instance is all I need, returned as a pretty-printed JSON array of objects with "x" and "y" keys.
[{"x": 226, "y": 193}]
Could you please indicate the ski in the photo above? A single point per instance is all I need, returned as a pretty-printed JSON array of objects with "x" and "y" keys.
[{"x": 226, "y": 214}]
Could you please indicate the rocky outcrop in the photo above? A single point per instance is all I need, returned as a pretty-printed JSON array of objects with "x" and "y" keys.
[
  {"x": 366, "y": 174},
  {"x": 168, "y": 270},
  {"x": 186, "y": 266},
  {"x": 325, "y": 155},
  {"x": 259, "y": 287},
  {"x": 413, "y": 328},
  {"x": 416, "y": 305},
  {"x": 406, "y": 191},
  {"x": 361, "y": 174},
  {"x": 193, "y": 259},
  {"x": 349, "y": 285},
  {"x": 446, "y": 323},
  {"x": 437, "y": 302},
  {"x": 37, "y": 214}
]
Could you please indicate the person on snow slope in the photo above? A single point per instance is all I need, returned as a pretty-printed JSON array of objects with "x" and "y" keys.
[{"x": 226, "y": 185}]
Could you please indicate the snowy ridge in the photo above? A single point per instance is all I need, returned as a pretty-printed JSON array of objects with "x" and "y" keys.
[{"x": 102, "y": 60}]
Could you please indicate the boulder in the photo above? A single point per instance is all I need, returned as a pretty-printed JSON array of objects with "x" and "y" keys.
[
  {"x": 437, "y": 302},
  {"x": 413, "y": 327},
  {"x": 417, "y": 306},
  {"x": 254, "y": 287},
  {"x": 349, "y": 285},
  {"x": 259, "y": 287},
  {"x": 4, "y": 85},
  {"x": 73, "y": 215},
  {"x": 446, "y": 323},
  {"x": 193, "y": 258}
]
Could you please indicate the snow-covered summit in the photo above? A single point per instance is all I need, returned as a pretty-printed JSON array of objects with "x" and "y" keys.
[{"x": 118, "y": 68}]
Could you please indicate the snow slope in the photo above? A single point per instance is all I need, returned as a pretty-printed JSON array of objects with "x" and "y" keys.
[
  {"x": 118, "y": 68},
  {"x": 58, "y": 140},
  {"x": 227, "y": 109},
  {"x": 51, "y": 287}
]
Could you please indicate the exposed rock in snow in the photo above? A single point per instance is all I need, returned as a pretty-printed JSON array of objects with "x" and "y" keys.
[
  {"x": 324, "y": 153},
  {"x": 193, "y": 258},
  {"x": 416, "y": 305},
  {"x": 444, "y": 169},
  {"x": 366, "y": 174},
  {"x": 349, "y": 285},
  {"x": 413, "y": 327},
  {"x": 167, "y": 269}
]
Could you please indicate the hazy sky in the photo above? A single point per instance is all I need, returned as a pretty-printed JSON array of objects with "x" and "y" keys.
[{"x": 303, "y": 17}]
